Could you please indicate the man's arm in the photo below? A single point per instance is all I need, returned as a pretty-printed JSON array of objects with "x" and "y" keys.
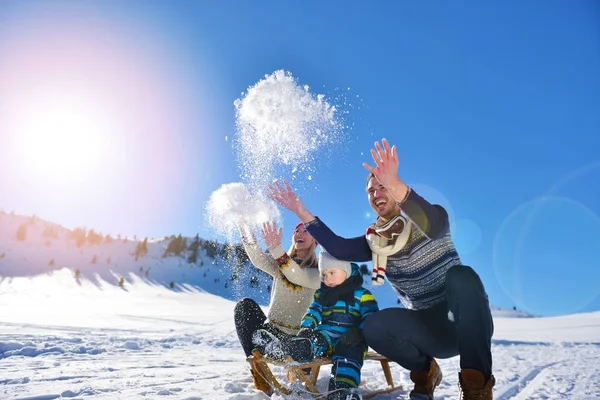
[
  {"x": 432, "y": 220},
  {"x": 353, "y": 249}
]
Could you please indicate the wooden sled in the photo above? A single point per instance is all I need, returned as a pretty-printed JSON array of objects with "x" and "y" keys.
[{"x": 295, "y": 373}]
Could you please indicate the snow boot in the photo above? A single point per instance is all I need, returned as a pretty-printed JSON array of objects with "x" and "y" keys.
[
  {"x": 473, "y": 385},
  {"x": 344, "y": 394},
  {"x": 425, "y": 382},
  {"x": 268, "y": 344}
]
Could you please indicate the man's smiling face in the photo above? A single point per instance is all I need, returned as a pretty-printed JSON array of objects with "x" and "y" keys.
[{"x": 380, "y": 199}]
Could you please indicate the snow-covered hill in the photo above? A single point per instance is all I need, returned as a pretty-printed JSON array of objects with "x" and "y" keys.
[
  {"x": 45, "y": 247},
  {"x": 86, "y": 336}
]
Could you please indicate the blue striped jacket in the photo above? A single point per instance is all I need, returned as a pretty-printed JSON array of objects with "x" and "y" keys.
[{"x": 333, "y": 321}]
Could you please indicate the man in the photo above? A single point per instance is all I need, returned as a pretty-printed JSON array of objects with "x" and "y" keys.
[{"x": 446, "y": 310}]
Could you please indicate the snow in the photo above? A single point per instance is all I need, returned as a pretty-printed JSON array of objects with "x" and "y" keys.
[
  {"x": 83, "y": 337},
  {"x": 281, "y": 123},
  {"x": 232, "y": 203}
]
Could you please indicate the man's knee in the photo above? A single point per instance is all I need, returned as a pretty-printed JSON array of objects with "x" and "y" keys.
[
  {"x": 461, "y": 276},
  {"x": 373, "y": 326},
  {"x": 463, "y": 282}
]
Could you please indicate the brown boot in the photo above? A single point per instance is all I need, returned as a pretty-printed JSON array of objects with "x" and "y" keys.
[
  {"x": 473, "y": 385},
  {"x": 426, "y": 382},
  {"x": 259, "y": 382}
]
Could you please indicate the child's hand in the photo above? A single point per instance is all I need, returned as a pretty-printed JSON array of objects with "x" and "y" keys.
[{"x": 352, "y": 338}]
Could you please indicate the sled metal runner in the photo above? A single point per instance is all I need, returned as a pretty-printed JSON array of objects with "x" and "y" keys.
[{"x": 295, "y": 373}]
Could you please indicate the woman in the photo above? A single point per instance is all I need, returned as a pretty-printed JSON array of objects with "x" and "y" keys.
[{"x": 295, "y": 279}]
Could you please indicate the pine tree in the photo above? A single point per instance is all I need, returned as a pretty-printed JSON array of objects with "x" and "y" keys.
[
  {"x": 94, "y": 238},
  {"x": 141, "y": 249},
  {"x": 79, "y": 234},
  {"x": 212, "y": 248},
  {"x": 182, "y": 244},
  {"x": 22, "y": 232},
  {"x": 175, "y": 247},
  {"x": 241, "y": 255},
  {"x": 193, "y": 250}
]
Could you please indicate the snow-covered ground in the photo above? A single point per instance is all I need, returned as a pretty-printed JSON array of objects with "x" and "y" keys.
[{"x": 88, "y": 337}]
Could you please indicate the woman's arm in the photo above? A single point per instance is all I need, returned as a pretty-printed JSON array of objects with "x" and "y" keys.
[
  {"x": 257, "y": 256},
  {"x": 306, "y": 277}
]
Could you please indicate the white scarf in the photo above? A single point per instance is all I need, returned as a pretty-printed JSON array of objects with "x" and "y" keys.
[{"x": 383, "y": 247}]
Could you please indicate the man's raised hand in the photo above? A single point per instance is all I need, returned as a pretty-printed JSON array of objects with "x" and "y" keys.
[
  {"x": 284, "y": 196},
  {"x": 386, "y": 163}
]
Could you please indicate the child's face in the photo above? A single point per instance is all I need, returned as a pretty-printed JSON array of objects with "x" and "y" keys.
[{"x": 333, "y": 277}]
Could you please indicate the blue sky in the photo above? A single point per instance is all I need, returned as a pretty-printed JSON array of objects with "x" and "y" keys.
[{"x": 493, "y": 108}]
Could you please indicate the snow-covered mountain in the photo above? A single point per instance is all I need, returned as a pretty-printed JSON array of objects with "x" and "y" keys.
[
  {"x": 30, "y": 246},
  {"x": 73, "y": 329}
]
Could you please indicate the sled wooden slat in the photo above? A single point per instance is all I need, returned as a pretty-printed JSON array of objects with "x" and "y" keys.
[{"x": 295, "y": 372}]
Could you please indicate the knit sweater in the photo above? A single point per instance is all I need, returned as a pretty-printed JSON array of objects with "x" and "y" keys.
[
  {"x": 417, "y": 272},
  {"x": 293, "y": 287}
]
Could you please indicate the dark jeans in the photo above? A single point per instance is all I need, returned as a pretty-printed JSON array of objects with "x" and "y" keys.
[
  {"x": 411, "y": 338},
  {"x": 248, "y": 318}
]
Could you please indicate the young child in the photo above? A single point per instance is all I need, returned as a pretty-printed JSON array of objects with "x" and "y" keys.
[{"x": 331, "y": 327}]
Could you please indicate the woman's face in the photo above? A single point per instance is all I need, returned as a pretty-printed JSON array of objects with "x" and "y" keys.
[{"x": 302, "y": 238}]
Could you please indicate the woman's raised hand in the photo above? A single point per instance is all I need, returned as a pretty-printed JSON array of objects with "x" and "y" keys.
[{"x": 271, "y": 234}]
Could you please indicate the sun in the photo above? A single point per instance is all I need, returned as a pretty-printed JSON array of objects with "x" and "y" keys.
[{"x": 61, "y": 139}]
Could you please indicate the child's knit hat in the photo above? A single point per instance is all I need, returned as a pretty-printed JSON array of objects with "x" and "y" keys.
[{"x": 327, "y": 261}]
